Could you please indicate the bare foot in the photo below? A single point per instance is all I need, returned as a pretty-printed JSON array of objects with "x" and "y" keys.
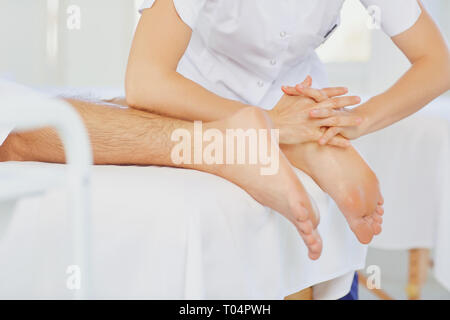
[
  {"x": 346, "y": 177},
  {"x": 282, "y": 191}
]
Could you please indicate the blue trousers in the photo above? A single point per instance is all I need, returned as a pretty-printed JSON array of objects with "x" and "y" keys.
[{"x": 353, "y": 294}]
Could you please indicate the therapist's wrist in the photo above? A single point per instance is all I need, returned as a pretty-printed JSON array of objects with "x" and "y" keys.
[
  {"x": 366, "y": 113},
  {"x": 272, "y": 114}
]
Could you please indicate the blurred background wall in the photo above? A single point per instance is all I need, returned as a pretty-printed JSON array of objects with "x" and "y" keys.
[{"x": 42, "y": 44}]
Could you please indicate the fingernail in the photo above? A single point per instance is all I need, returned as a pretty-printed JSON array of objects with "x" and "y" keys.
[
  {"x": 315, "y": 112},
  {"x": 322, "y": 141},
  {"x": 359, "y": 120}
]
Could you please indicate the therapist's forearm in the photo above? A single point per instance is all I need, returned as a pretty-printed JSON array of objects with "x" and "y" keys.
[
  {"x": 152, "y": 81},
  {"x": 426, "y": 79},
  {"x": 175, "y": 96}
]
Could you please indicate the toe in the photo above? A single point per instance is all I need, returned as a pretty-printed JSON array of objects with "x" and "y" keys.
[
  {"x": 317, "y": 246},
  {"x": 377, "y": 228},
  {"x": 300, "y": 212},
  {"x": 315, "y": 214},
  {"x": 378, "y": 219},
  {"x": 313, "y": 256},
  {"x": 315, "y": 250},
  {"x": 363, "y": 230},
  {"x": 380, "y": 210},
  {"x": 309, "y": 239},
  {"x": 306, "y": 219},
  {"x": 305, "y": 227},
  {"x": 313, "y": 242}
]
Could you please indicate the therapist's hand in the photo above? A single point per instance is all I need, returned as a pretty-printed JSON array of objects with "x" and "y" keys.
[
  {"x": 350, "y": 133},
  {"x": 329, "y": 133},
  {"x": 301, "y": 119}
]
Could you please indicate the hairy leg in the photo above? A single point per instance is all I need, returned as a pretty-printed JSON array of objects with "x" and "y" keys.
[
  {"x": 120, "y": 135},
  {"x": 346, "y": 177}
]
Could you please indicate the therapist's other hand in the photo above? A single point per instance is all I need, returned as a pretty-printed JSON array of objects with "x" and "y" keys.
[
  {"x": 320, "y": 95},
  {"x": 350, "y": 133},
  {"x": 293, "y": 117}
]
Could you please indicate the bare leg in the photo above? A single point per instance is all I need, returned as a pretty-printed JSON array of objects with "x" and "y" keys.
[
  {"x": 346, "y": 177},
  {"x": 120, "y": 135}
]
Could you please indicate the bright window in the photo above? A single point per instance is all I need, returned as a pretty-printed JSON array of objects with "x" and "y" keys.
[{"x": 351, "y": 41}]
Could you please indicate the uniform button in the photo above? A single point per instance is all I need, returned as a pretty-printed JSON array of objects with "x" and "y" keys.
[
  {"x": 273, "y": 62},
  {"x": 283, "y": 34},
  {"x": 260, "y": 84}
]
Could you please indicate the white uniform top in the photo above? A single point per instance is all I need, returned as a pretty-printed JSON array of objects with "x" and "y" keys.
[{"x": 245, "y": 50}]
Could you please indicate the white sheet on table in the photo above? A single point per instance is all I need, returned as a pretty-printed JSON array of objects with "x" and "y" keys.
[{"x": 171, "y": 233}]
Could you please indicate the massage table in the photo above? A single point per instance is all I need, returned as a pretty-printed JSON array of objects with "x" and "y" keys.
[
  {"x": 166, "y": 233},
  {"x": 170, "y": 233}
]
